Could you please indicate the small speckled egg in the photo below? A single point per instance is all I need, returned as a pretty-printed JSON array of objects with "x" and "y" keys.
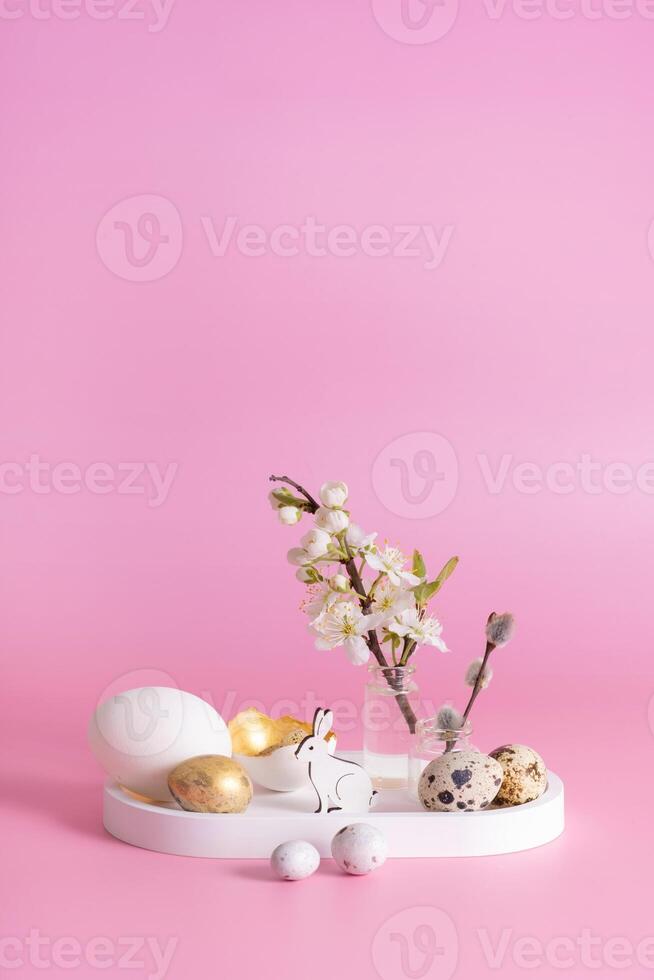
[
  {"x": 460, "y": 781},
  {"x": 359, "y": 848},
  {"x": 294, "y": 860},
  {"x": 524, "y": 775}
]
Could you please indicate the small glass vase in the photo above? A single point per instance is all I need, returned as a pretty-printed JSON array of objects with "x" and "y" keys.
[
  {"x": 430, "y": 743},
  {"x": 389, "y": 715}
]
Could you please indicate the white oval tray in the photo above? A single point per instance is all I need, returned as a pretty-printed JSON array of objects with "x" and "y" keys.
[{"x": 275, "y": 817}]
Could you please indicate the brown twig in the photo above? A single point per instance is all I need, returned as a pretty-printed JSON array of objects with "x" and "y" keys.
[
  {"x": 372, "y": 641},
  {"x": 313, "y": 504}
]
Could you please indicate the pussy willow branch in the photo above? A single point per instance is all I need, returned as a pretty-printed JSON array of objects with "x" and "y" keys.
[
  {"x": 372, "y": 640},
  {"x": 449, "y": 745},
  {"x": 480, "y": 676}
]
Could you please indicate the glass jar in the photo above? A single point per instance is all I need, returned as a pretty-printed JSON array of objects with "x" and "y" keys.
[
  {"x": 430, "y": 743},
  {"x": 389, "y": 720}
]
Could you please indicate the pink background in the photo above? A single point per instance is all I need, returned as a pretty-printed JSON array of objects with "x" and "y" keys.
[{"x": 533, "y": 339}]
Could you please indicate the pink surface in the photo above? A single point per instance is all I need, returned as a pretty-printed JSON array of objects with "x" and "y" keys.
[{"x": 521, "y": 335}]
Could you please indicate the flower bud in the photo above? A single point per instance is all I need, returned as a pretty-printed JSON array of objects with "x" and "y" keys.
[
  {"x": 333, "y": 494},
  {"x": 289, "y": 515},
  {"x": 333, "y": 521},
  {"x": 298, "y": 556},
  {"x": 472, "y": 673},
  {"x": 316, "y": 543},
  {"x": 500, "y": 629},
  {"x": 339, "y": 583},
  {"x": 449, "y": 719}
]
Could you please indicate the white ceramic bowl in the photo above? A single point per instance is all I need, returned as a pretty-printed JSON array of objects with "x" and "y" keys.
[{"x": 279, "y": 770}]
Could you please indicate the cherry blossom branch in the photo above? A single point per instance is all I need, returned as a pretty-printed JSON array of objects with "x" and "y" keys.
[
  {"x": 372, "y": 640},
  {"x": 408, "y": 651}
]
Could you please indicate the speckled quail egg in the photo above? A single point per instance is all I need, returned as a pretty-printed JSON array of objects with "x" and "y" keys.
[
  {"x": 460, "y": 781},
  {"x": 294, "y": 860},
  {"x": 359, "y": 848},
  {"x": 524, "y": 775}
]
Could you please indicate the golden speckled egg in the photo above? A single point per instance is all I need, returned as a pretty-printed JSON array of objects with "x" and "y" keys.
[
  {"x": 294, "y": 737},
  {"x": 265, "y": 747},
  {"x": 254, "y": 733},
  {"x": 211, "y": 784},
  {"x": 525, "y": 775}
]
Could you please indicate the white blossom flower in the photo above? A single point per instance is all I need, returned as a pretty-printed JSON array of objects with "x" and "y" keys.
[
  {"x": 304, "y": 574},
  {"x": 428, "y": 632},
  {"x": 339, "y": 583},
  {"x": 289, "y": 515},
  {"x": 425, "y": 631},
  {"x": 332, "y": 521},
  {"x": 343, "y": 624},
  {"x": 390, "y": 600},
  {"x": 391, "y": 561},
  {"x": 472, "y": 673},
  {"x": 357, "y": 650},
  {"x": 316, "y": 543},
  {"x": 320, "y": 597},
  {"x": 357, "y": 539},
  {"x": 333, "y": 494},
  {"x": 298, "y": 556}
]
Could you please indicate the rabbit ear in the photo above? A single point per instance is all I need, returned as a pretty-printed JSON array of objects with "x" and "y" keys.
[
  {"x": 324, "y": 724},
  {"x": 317, "y": 721}
]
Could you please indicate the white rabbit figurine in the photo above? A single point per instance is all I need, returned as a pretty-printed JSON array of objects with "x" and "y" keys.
[{"x": 346, "y": 784}]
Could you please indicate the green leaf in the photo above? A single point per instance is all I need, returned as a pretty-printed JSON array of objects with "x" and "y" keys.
[
  {"x": 427, "y": 590},
  {"x": 446, "y": 571},
  {"x": 286, "y": 498},
  {"x": 421, "y": 593},
  {"x": 418, "y": 568}
]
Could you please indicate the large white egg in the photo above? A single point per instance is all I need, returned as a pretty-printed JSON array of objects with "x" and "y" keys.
[{"x": 139, "y": 736}]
